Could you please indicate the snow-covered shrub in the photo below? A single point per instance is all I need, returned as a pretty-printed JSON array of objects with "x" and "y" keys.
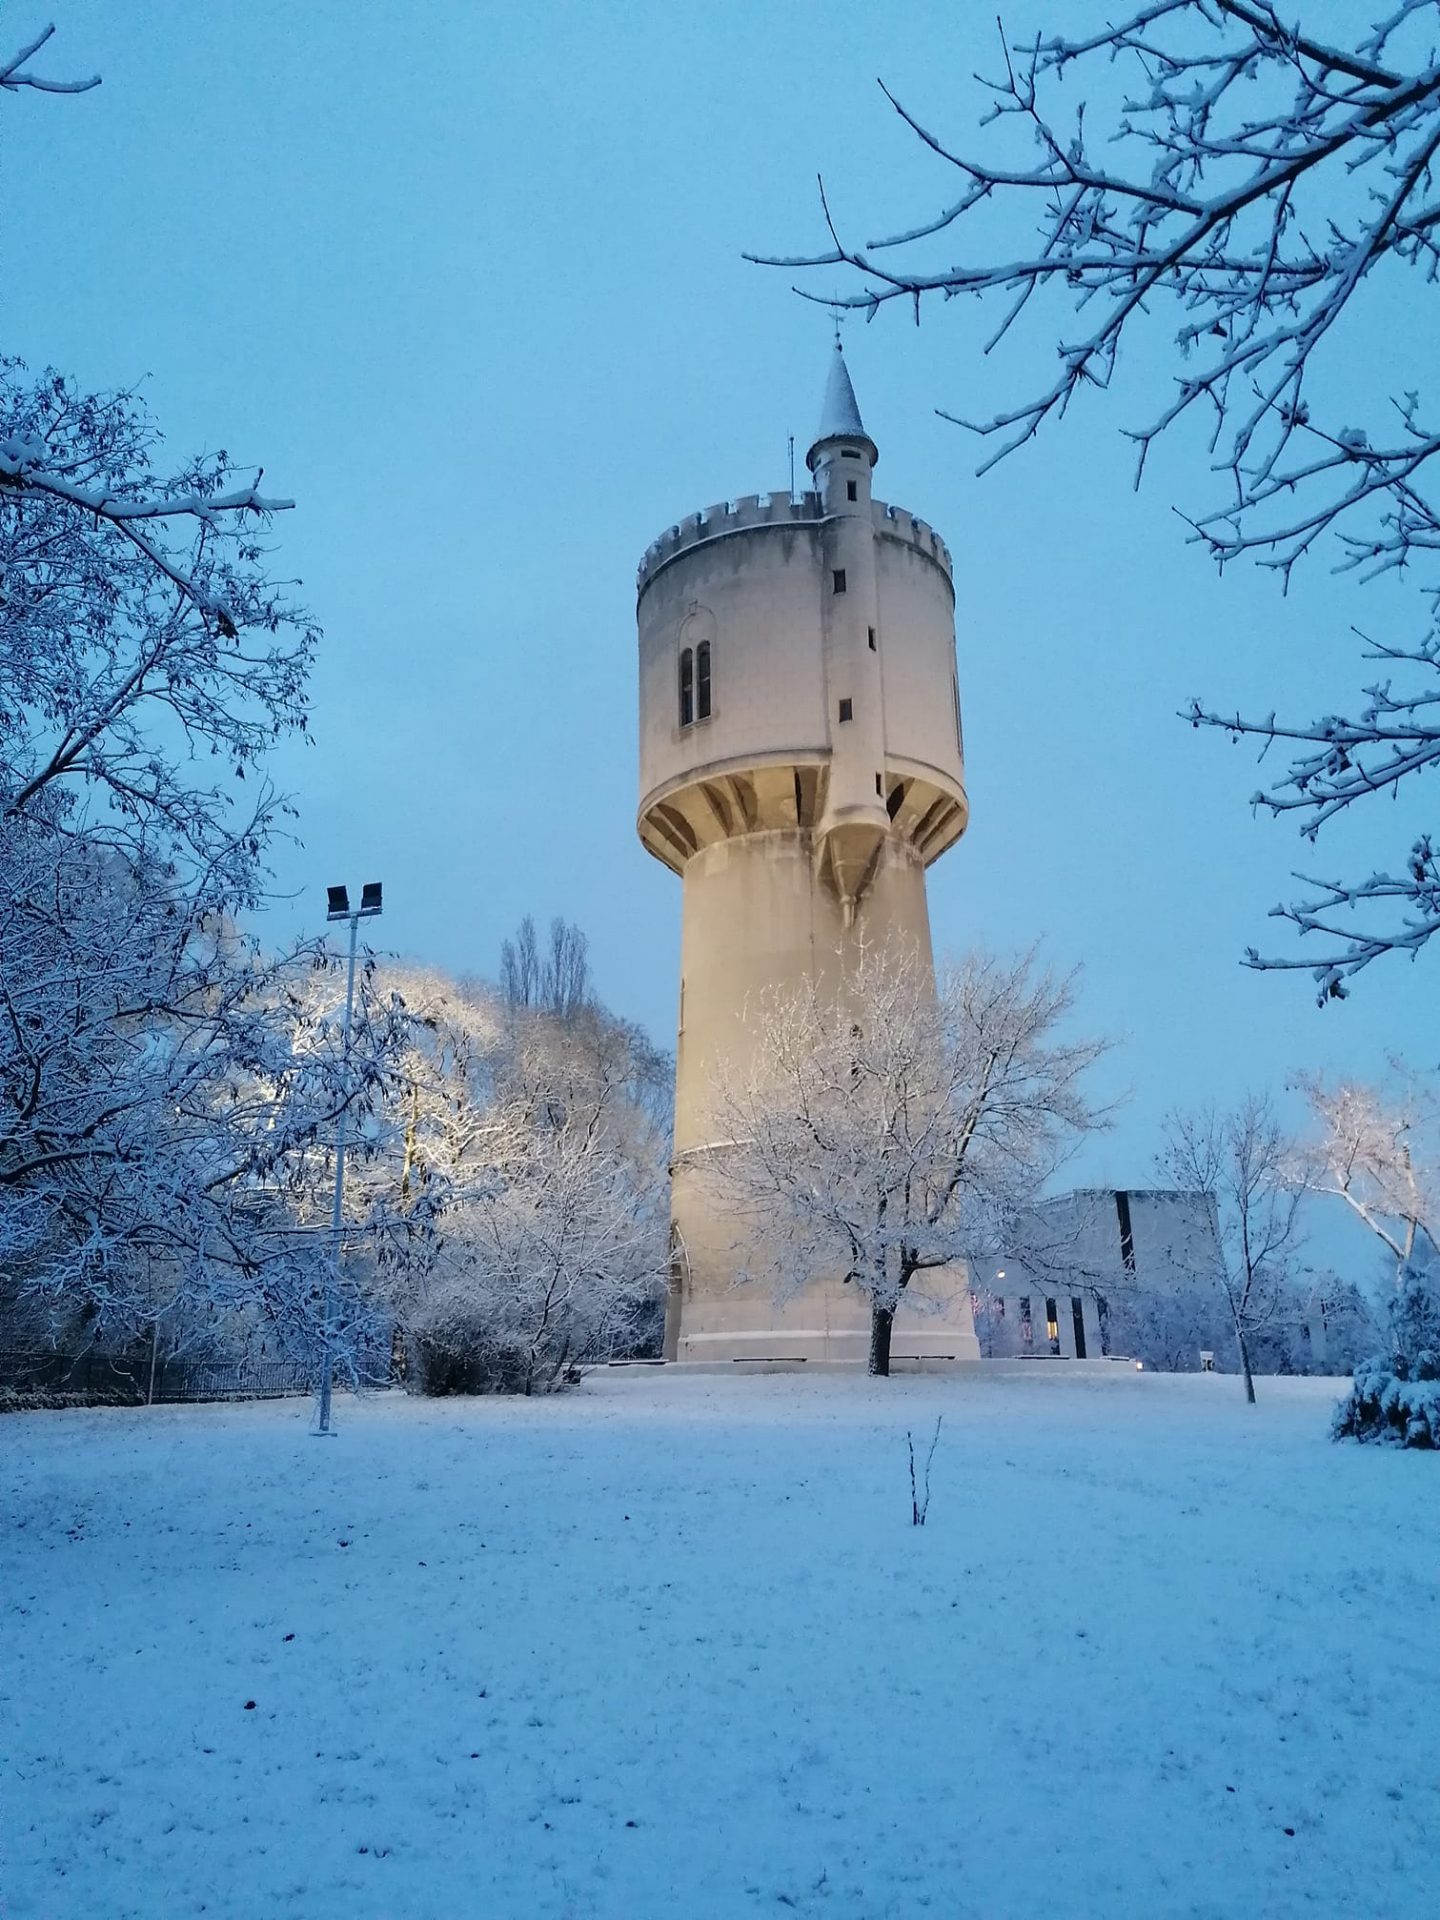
[{"x": 1395, "y": 1398}]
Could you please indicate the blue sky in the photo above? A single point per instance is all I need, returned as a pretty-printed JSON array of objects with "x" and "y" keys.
[{"x": 467, "y": 280}]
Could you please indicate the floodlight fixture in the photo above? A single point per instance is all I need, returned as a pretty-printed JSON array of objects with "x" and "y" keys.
[
  {"x": 370, "y": 897},
  {"x": 338, "y": 903}
]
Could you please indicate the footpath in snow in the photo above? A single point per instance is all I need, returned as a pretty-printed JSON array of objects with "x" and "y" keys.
[{"x": 669, "y": 1646}]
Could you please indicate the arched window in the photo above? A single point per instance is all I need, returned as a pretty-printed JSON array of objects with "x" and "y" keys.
[
  {"x": 687, "y": 687},
  {"x": 702, "y": 681}
]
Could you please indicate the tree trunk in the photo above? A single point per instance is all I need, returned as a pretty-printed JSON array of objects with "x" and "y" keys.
[
  {"x": 882, "y": 1319},
  {"x": 1245, "y": 1366}
]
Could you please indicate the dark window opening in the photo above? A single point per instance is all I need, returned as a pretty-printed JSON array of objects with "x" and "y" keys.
[
  {"x": 687, "y": 687},
  {"x": 1077, "y": 1314},
  {"x": 1127, "y": 1235},
  {"x": 871, "y": 632},
  {"x": 702, "y": 681},
  {"x": 1027, "y": 1329},
  {"x": 852, "y": 489},
  {"x": 999, "y": 1306},
  {"x": 847, "y": 709},
  {"x": 839, "y": 579},
  {"x": 896, "y": 800},
  {"x": 848, "y": 453},
  {"x": 880, "y": 786}
]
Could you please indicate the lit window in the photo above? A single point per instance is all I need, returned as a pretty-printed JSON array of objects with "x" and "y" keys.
[
  {"x": 687, "y": 687},
  {"x": 839, "y": 578},
  {"x": 702, "y": 681},
  {"x": 1052, "y": 1325},
  {"x": 847, "y": 709}
]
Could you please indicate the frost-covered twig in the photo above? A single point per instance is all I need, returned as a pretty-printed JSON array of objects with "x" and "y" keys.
[
  {"x": 1252, "y": 182},
  {"x": 920, "y": 1497}
]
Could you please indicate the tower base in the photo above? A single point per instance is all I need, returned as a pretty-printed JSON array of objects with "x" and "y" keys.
[{"x": 826, "y": 1323}]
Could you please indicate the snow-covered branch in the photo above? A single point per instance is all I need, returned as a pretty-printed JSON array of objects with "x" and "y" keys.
[{"x": 1253, "y": 181}]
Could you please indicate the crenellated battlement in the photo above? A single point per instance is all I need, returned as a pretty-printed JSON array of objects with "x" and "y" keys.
[
  {"x": 779, "y": 509},
  {"x": 900, "y": 525}
]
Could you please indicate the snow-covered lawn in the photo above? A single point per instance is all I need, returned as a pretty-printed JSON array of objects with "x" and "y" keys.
[{"x": 670, "y": 1646}]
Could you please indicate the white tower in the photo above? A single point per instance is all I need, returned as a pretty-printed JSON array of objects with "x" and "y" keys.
[{"x": 801, "y": 764}]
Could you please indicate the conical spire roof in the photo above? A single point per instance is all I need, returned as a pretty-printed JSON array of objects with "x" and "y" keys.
[{"x": 840, "y": 412}]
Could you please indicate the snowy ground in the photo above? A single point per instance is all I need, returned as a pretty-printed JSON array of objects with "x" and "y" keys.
[{"x": 670, "y": 1646}]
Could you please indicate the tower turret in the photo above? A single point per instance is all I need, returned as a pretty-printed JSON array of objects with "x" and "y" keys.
[
  {"x": 854, "y": 824},
  {"x": 800, "y": 765}
]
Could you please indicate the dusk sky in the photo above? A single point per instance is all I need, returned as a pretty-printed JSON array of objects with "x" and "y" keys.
[{"x": 467, "y": 281}]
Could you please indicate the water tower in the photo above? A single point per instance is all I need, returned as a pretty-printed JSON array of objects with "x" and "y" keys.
[{"x": 801, "y": 765}]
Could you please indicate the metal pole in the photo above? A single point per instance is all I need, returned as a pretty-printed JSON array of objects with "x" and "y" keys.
[
  {"x": 332, "y": 1265},
  {"x": 155, "y": 1331}
]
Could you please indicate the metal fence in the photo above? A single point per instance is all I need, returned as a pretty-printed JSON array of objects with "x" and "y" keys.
[{"x": 133, "y": 1379}]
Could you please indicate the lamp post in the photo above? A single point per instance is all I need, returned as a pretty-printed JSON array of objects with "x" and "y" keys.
[{"x": 339, "y": 908}]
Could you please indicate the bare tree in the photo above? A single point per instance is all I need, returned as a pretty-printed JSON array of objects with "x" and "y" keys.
[
  {"x": 1246, "y": 1163},
  {"x": 1256, "y": 180},
  {"x": 547, "y": 1169},
  {"x": 566, "y": 979},
  {"x": 1380, "y": 1154},
  {"x": 168, "y": 1091},
  {"x": 889, "y": 1129},
  {"x": 520, "y": 966},
  {"x": 557, "y": 981}
]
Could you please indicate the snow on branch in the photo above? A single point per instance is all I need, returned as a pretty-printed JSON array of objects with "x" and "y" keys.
[{"x": 1251, "y": 180}]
